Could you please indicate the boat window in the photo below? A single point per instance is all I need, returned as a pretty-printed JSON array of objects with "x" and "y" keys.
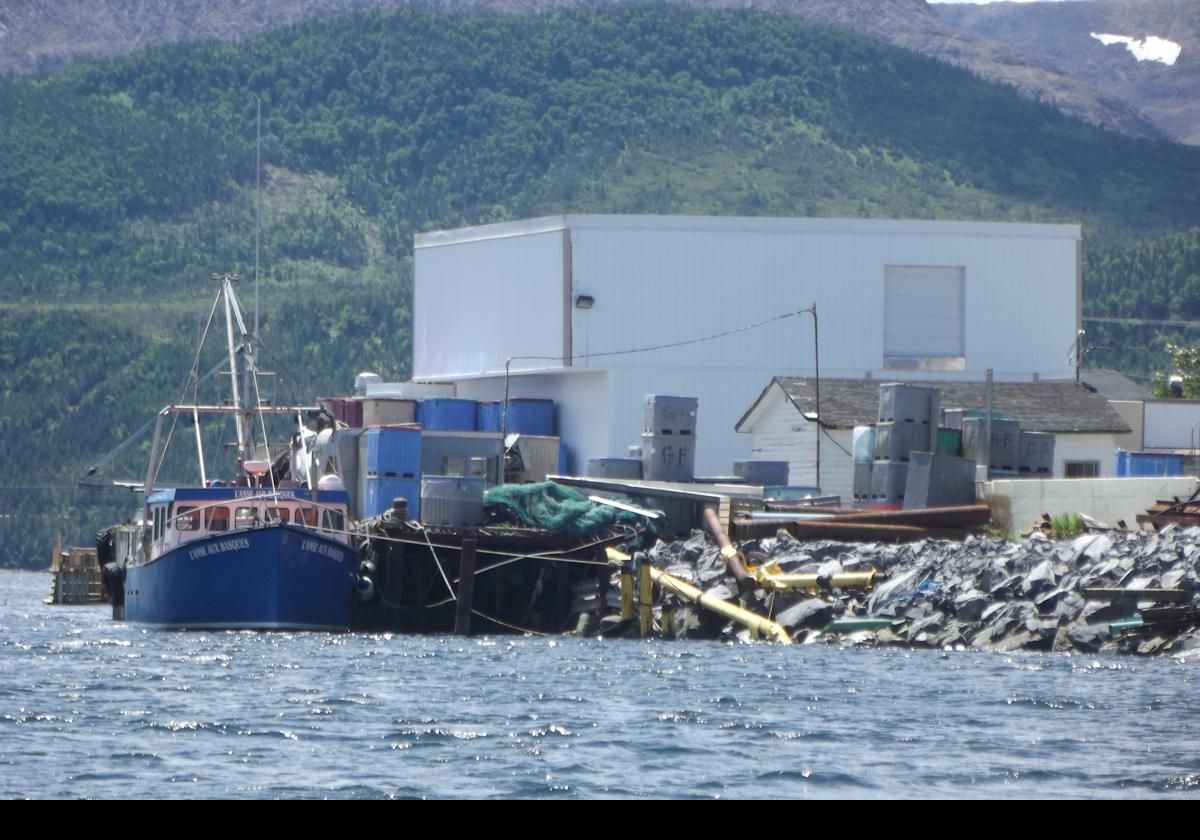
[
  {"x": 244, "y": 517},
  {"x": 275, "y": 514},
  {"x": 306, "y": 516},
  {"x": 187, "y": 519},
  {"x": 331, "y": 520},
  {"x": 217, "y": 519}
]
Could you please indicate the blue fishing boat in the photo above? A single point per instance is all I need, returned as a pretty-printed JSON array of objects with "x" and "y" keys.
[
  {"x": 244, "y": 558},
  {"x": 269, "y": 547}
]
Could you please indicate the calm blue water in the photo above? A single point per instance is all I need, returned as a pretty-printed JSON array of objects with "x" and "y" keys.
[{"x": 92, "y": 708}]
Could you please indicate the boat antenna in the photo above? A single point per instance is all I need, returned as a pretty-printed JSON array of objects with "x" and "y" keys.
[{"x": 257, "y": 202}]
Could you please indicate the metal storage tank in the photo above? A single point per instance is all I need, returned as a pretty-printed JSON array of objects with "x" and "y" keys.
[{"x": 455, "y": 500}]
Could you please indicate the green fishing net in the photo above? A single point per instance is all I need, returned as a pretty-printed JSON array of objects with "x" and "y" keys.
[{"x": 556, "y": 507}]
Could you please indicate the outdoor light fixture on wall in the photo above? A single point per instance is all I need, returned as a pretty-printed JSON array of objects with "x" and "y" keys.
[{"x": 585, "y": 302}]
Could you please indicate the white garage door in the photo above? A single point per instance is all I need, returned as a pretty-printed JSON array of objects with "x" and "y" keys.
[{"x": 923, "y": 317}]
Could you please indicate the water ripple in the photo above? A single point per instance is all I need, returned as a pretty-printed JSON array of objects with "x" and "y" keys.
[{"x": 90, "y": 708}]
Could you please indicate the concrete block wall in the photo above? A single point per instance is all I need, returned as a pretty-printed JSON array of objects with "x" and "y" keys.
[{"x": 1018, "y": 504}]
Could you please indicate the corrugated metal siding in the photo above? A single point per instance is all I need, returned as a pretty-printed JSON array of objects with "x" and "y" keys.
[
  {"x": 656, "y": 286},
  {"x": 494, "y": 292},
  {"x": 477, "y": 303},
  {"x": 1172, "y": 424}
]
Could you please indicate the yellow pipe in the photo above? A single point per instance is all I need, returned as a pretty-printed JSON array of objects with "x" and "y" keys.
[
  {"x": 813, "y": 582},
  {"x": 756, "y": 623}
]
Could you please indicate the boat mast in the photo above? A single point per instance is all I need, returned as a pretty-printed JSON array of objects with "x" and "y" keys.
[{"x": 243, "y": 393}]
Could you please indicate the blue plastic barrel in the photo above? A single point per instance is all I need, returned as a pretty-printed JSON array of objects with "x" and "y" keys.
[{"x": 445, "y": 414}]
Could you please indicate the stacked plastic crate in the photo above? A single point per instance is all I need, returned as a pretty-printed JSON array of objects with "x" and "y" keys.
[
  {"x": 390, "y": 468},
  {"x": 906, "y": 424},
  {"x": 669, "y": 438}
]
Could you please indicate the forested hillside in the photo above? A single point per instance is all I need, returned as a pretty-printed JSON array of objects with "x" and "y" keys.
[{"x": 124, "y": 185}]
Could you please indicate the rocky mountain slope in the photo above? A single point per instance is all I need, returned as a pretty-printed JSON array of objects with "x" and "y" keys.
[
  {"x": 42, "y": 35},
  {"x": 1141, "y": 51}
]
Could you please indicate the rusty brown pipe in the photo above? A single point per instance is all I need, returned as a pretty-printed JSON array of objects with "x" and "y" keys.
[{"x": 733, "y": 558}]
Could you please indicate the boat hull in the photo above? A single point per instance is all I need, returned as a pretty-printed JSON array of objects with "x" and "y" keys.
[{"x": 276, "y": 577}]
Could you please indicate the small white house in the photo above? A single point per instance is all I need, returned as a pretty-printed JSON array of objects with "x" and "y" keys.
[
  {"x": 595, "y": 312},
  {"x": 783, "y": 424}
]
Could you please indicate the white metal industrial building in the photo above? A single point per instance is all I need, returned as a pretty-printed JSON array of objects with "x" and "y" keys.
[{"x": 597, "y": 311}]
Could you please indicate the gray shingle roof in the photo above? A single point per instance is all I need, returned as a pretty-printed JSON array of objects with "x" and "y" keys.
[
  {"x": 1046, "y": 406},
  {"x": 1115, "y": 386}
]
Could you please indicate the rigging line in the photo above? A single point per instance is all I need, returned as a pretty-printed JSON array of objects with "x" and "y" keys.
[
  {"x": 551, "y": 558},
  {"x": 501, "y": 623},
  {"x": 266, "y": 350},
  {"x": 485, "y": 617},
  {"x": 193, "y": 379},
  {"x": 262, "y": 422},
  {"x": 541, "y": 555},
  {"x": 441, "y": 571}
]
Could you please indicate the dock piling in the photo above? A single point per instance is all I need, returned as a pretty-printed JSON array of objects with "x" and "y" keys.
[{"x": 466, "y": 588}]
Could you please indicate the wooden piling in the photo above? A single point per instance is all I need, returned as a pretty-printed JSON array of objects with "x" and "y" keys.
[{"x": 466, "y": 588}]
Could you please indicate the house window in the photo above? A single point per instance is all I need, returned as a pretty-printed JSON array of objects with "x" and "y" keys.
[
  {"x": 923, "y": 317},
  {"x": 1082, "y": 469}
]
